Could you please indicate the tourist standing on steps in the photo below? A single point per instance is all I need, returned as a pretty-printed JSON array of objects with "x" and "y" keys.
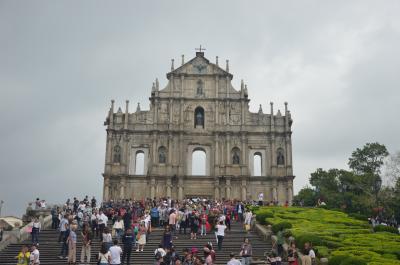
[
  {"x": 280, "y": 241},
  {"x": 233, "y": 260},
  {"x": 172, "y": 222},
  {"x": 141, "y": 237},
  {"x": 36, "y": 226},
  {"x": 128, "y": 240},
  {"x": 107, "y": 237},
  {"x": 104, "y": 256},
  {"x": 65, "y": 235},
  {"x": 86, "y": 244},
  {"x": 292, "y": 254},
  {"x": 119, "y": 227},
  {"x": 71, "y": 241},
  {"x": 246, "y": 252},
  {"x": 194, "y": 225},
  {"x": 203, "y": 224},
  {"x": 115, "y": 254},
  {"x": 167, "y": 238},
  {"x": 34, "y": 257},
  {"x": 220, "y": 234},
  {"x": 102, "y": 220},
  {"x": 23, "y": 256}
]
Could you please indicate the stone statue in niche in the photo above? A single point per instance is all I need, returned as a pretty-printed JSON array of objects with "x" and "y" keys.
[
  {"x": 117, "y": 154},
  {"x": 162, "y": 156},
  {"x": 199, "y": 88},
  {"x": 280, "y": 157},
  {"x": 236, "y": 158}
]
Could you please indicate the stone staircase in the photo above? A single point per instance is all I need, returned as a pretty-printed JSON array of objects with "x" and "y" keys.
[{"x": 49, "y": 247}]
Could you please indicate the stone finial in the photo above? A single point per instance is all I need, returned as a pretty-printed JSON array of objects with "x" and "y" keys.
[
  {"x": 157, "y": 84},
  {"x": 119, "y": 110},
  {"x": 153, "y": 87},
  {"x": 272, "y": 107},
  {"x": 279, "y": 113},
  {"x": 227, "y": 65},
  {"x": 172, "y": 65},
  {"x": 138, "y": 107},
  {"x": 183, "y": 59},
  {"x": 286, "y": 107},
  {"x": 112, "y": 104},
  {"x": 216, "y": 60},
  {"x": 242, "y": 84},
  {"x": 127, "y": 105},
  {"x": 260, "y": 109}
]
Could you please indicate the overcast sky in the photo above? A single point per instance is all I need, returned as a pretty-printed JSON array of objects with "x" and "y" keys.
[{"x": 61, "y": 62}]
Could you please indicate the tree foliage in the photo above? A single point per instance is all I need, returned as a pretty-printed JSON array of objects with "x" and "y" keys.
[
  {"x": 369, "y": 159},
  {"x": 355, "y": 191}
]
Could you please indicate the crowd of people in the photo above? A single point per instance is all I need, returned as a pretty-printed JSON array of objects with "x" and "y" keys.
[{"x": 125, "y": 226}]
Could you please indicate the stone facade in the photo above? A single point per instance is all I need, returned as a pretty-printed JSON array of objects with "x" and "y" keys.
[{"x": 198, "y": 110}]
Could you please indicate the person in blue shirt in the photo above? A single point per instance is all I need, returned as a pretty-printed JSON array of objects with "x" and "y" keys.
[{"x": 155, "y": 217}]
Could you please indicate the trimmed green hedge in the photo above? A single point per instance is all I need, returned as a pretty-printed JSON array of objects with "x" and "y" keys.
[
  {"x": 281, "y": 226},
  {"x": 262, "y": 215},
  {"x": 384, "y": 228},
  {"x": 342, "y": 239}
]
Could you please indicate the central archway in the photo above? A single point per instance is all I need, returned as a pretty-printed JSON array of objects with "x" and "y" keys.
[{"x": 199, "y": 162}]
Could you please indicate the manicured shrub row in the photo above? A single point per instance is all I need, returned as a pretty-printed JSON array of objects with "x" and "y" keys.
[
  {"x": 384, "y": 228},
  {"x": 336, "y": 235}
]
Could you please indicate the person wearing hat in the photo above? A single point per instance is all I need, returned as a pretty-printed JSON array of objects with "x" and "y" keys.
[{"x": 233, "y": 260}]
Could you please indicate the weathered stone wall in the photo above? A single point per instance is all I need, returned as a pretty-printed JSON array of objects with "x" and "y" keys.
[{"x": 167, "y": 135}]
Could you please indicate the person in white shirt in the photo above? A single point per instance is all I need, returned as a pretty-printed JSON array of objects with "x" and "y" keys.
[
  {"x": 102, "y": 220},
  {"x": 115, "y": 254},
  {"x": 220, "y": 234},
  {"x": 160, "y": 250},
  {"x": 119, "y": 227},
  {"x": 34, "y": 257},
  {"x": 233, "y": 260}
]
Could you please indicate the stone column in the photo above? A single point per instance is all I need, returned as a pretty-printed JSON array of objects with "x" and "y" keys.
[
  {"x": 170, "y": 147},
  {"x": 106, "y": 194},
  {"x": 216, "y": 189},
  {"x": 126, "y": 115},
  {"x": 228, "y": 149},
  {"x": 180, "y": 189},
  {"x": 216, "y": 156},
  {"x": 228, "y": 188},
  {"x": 152, "y": 188},
  {"x": 274, "y": 190},
  {"x": 290, "y": 192},
  {"x": 244, "y": 190},
  {"x": 122, "y": 188},
  {"x": 169, "y": 186}
]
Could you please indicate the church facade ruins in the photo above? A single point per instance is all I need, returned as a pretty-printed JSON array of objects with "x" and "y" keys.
[{"x": 244, "y": 155}]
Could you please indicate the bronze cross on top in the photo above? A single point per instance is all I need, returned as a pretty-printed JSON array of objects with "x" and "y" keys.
[{"x": 200, "y": 49}]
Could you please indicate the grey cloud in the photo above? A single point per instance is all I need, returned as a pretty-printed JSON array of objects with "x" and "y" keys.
[{"x": 62, "y": 62}]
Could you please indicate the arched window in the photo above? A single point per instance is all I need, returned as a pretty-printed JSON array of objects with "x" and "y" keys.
[
  {"x": 117, "y": 154},
  {"x": 139, "y": 168},
  {"x": 199, "y": 162},
  {"x": 280, "y": 158},
  {"x": 199, "y": 117},
  {"x": 162, "y": 155},
  {"x": 257, "y": 164},
  {"x": 235, "y": 156}
]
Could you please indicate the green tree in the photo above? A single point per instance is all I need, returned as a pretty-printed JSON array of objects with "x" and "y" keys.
[
  {"x": 369, "y": 159},
  {"x": 306, "y": 196}
]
